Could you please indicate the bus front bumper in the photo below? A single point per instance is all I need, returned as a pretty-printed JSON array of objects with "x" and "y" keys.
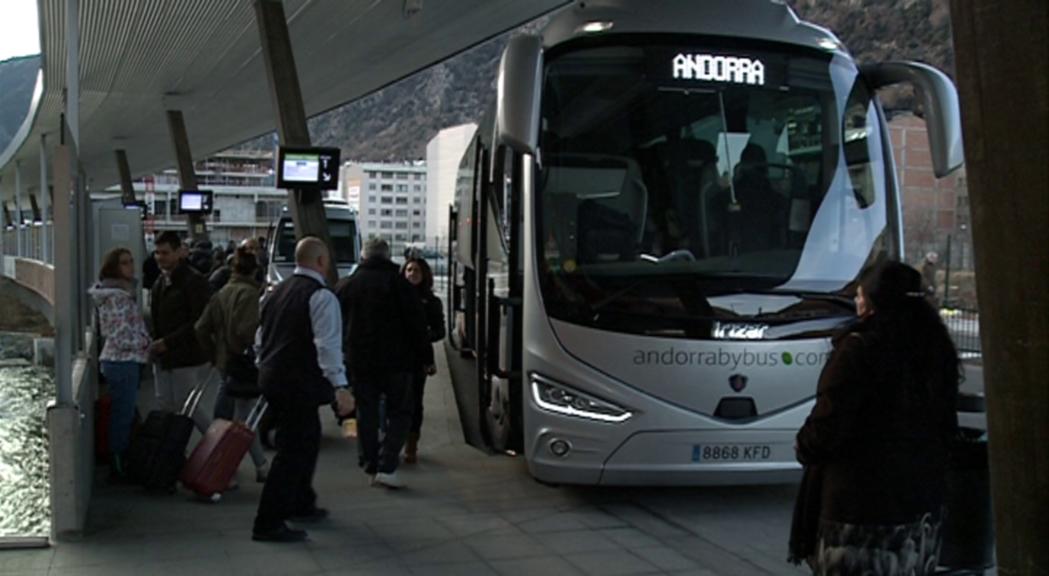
[{"x": 701, "y": 457}]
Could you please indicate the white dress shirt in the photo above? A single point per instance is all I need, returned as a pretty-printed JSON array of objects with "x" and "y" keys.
[{"x": 326, "y": 321}]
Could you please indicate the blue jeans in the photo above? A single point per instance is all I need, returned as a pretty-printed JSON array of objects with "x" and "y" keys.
[{"x": 123, "y": 379}]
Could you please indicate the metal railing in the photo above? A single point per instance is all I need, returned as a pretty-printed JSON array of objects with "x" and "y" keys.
[{"x": 964, "y": 328}]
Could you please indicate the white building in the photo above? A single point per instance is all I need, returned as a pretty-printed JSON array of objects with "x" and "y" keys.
[
  {"x": 392, "y": 202},
  {"x": 443, "y": 154},
  {"x": 246, "y": 200},
  {"x": 351, "y": 182}
]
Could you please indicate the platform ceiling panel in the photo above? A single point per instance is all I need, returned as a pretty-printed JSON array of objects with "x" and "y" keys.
[{"x": 139, "y": 58}]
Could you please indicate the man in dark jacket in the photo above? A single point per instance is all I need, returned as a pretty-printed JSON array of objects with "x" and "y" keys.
[
  {"x": 385, "y": 335},
  {"x": 178, "y": 298},
  {"x": 299, "y": 344}
]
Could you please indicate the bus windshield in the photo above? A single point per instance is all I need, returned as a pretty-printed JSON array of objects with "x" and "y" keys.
[
  {"x": 343, "y": 236},
  {"x": 665, "y": 190}
]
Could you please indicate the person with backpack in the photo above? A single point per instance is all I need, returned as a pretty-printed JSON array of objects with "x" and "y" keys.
[
  {"x": 385, "y": 339},
  {"x": 227, "y": 328}
]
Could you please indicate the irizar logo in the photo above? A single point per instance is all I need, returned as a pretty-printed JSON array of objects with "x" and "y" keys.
[
  {"x": 738, "y": 382},
  {"x": 736, "y": 331},
  {"x": 730, "y": 69}
]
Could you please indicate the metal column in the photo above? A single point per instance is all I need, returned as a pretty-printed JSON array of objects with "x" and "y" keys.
[
  {"x": 20, "y": 241},
  {"x": 45, "y": 203},
  {"x": 187, "y": 175},
  {"x": 127, "y": 189},
  {"x": 307, "y": 207}
]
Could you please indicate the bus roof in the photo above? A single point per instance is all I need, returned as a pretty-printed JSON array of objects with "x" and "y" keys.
[{"x": 769, "y": 20}]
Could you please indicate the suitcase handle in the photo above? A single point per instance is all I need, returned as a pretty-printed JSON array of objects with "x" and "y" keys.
[
  {"x": 256, "y": 414},
  {"x": 194, "y": 396}
]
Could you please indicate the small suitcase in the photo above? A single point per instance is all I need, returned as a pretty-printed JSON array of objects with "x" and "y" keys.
[
  {"x": 158, "y": 451},
  {"x": 218, "y": 455},
  {"x": 103, "y": 417}
]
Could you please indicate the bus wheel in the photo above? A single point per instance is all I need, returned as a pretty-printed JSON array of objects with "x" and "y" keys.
[{"x": 498, "y": 416}]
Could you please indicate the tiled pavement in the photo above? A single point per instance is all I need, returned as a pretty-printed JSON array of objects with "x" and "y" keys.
[{"x": 463, "y": 513}]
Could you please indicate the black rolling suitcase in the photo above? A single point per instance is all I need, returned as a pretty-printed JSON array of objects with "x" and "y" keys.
[{"x": 158, "y": 452}]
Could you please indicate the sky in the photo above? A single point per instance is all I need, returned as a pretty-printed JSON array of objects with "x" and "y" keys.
[{"x": 19, "y": 28}]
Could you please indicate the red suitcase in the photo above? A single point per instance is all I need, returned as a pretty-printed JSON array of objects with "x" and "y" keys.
[
  {"x": 216, "y": 458},
  {"x": 103, "y": 414}
]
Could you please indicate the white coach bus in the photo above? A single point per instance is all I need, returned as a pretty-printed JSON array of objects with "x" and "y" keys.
[{"x": 658, "y": 227}]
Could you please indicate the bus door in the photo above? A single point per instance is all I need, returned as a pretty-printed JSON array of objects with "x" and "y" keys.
[{"x": 499, "y": 351}]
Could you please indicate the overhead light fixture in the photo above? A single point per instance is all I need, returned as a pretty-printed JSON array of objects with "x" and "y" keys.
[{"x": 595, "y": 27}]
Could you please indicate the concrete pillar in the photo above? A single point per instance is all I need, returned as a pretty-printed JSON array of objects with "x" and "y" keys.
[
  {"x": 1004, "y": 96},
  {"x": 64, "y": 422},
  {"x": 187, "y": 175},
  {"x": 73, "y": 70},
  {"x": 64, "y": 273},
  {"x": 45, "y": 203},
  {"x": 307, "y": 207},
  {"x": 84, "y": 254}
]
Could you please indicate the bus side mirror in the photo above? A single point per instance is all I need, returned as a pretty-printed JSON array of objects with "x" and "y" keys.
[
  {"x": 940, "y": 101},
  {"x": 517, "y": 103}
]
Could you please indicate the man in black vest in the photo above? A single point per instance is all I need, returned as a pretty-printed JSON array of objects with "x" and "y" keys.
[
  {"x": 299, "y": 345},
  {"x": 385, "y": 332}
]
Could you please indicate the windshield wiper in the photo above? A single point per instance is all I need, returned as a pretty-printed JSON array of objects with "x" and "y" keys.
[
  {"x": 596, "y": 307},
  {"x": 836, "y": 298}
]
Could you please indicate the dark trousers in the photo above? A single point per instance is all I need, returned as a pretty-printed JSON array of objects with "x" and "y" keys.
[
  {"x": 289, "y": 486},
  {"x": 418, "y": 387},
  {"x": 397, "y": 390}
]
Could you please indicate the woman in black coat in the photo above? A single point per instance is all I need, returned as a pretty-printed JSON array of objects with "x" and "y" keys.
[
  {"x": 419, "y": 275},
  {"x": 875, "y": 446}
]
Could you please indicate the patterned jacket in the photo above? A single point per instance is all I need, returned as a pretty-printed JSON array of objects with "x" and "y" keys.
[{"x": 121, "y": 323}]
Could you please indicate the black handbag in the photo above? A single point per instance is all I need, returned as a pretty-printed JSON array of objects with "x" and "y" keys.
[{"x": 242, "y": 376}]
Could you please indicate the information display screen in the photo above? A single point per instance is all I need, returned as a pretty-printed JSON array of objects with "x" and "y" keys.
[
  {"x": 195, "y": 201},
  {"x": 308, "y": 168}
]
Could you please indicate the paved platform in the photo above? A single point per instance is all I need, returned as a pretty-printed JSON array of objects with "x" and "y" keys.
[{"x": 463, "y": 513}]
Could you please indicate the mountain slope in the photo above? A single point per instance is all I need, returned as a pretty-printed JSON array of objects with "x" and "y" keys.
[
  {"x": 396, "y": 122},
  {"x": 17, "y": 79}
]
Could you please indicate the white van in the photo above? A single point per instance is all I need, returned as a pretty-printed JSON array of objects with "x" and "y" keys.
[{"x": 345, "y": 236}]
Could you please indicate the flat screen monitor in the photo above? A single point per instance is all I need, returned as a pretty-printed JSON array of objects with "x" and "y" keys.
[
  {"x": 308, "y": 168},
  {"x": 195, "y": 201}
]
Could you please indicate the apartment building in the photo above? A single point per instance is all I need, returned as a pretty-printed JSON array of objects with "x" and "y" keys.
[
  {"x": 392, "y": 201},
  {"x": 443, "y": 154}
]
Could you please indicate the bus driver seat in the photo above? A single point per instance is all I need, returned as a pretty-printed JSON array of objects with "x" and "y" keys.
[{"x": 611, "y": 223}]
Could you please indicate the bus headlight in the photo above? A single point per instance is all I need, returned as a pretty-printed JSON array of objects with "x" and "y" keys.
[{"x": 557, "y": 397}]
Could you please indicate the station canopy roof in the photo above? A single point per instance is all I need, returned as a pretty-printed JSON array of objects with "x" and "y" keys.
[{"x": 203, "y": 57}]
